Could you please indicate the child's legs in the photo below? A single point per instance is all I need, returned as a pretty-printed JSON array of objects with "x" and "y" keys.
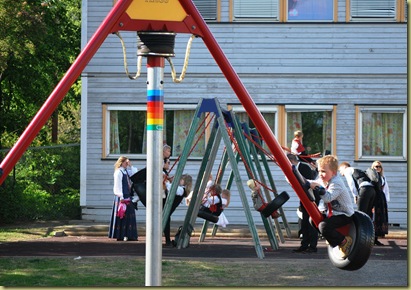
[{"x": 328, "y": 228}]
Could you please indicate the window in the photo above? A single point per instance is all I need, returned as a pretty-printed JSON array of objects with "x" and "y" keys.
[
  {"x": 269, "y": 113},
  {"x": 317, "y": 125},
  {"x": 207, "y": 8},
  {"x": 310, "y": 10},
  {"x": 382, "y": 132},
  {"x": 373, "y": 10},
  {"x": 125, "y": 129},
  {"x": 255, "y": 9}
]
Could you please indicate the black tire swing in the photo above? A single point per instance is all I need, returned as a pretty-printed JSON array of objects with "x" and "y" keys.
[
  {"x": 275, "y": 204},
  {"x": 362, "y": 232},
  {"x": 272, "y": 206}
]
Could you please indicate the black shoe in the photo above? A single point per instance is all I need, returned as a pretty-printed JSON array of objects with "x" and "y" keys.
[
  {"x": 378, "y": 243},
  {"x": 300, "y": 250},
  {"x": 311, "y": 250}
]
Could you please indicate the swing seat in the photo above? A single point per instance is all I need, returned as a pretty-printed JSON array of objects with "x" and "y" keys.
[
  {"x": 140, "y": 176},
  {"x": 140, "y": 189},
  {"x": 207, "y": 216},
  {"x": 275, "y": 204}
]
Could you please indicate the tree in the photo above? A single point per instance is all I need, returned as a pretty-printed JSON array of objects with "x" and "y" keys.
[{"x": 38, "y": 42}]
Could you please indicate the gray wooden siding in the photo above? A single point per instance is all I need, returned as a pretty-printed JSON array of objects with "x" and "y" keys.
[{"x": 316, "y": 63}]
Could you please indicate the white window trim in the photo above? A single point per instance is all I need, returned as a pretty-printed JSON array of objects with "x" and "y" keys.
[
  {"x": 132, "y": 107},
  {"x": 398, "y": 109},
  {"x": 308, "y": 108}
]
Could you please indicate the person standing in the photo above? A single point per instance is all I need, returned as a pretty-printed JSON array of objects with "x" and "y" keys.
[
  {"x": 380, "y": 203},
  {"x": 361, "y": 187},
  {"x": 309, "y": 234},
  {"x": 123, "y": 225}
]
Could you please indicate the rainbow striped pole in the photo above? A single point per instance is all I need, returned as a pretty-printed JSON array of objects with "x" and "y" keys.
[{"x": 155, "y": 122}]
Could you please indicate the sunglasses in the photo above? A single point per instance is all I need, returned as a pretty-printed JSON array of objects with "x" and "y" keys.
[{"x": 377, "y": 166}]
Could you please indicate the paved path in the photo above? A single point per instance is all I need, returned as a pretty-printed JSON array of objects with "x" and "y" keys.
[{"x": 387, "y": 266}]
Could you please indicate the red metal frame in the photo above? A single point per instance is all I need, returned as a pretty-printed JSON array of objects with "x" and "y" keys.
[{"x": 118, "y": 20}]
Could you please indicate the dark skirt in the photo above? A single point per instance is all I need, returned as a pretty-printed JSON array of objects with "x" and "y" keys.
[
  {"x": 380, "y": 214},
  {"x": 125, "y": 227}
]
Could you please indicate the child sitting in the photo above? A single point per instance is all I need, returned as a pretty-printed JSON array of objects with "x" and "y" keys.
[
  {"x": 212, "y": 201},
  {"x": 225, "y": 200},
  {"x": 258, "y": 201},
  {"x": 337, "y": 199}
]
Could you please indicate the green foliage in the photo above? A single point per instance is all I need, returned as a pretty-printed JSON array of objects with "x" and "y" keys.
[
  {"x": 44, "y": 186},
  {"x": 38, "y": 42},
  {"x": 313, "y": 131}
]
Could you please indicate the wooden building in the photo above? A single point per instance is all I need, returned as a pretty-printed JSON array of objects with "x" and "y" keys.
[{"x": 337, "y": 69}]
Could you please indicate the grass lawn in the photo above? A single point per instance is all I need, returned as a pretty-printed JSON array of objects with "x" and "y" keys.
[{"x": 118, "y": 271}]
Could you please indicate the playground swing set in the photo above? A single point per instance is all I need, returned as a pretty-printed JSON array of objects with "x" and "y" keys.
[
  {"x": 228, "y": 128},
  {"x": 157, "y": 23}
]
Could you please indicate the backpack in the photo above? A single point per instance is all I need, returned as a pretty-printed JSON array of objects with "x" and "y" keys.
[
  {"x": 360, "y": 176},
  {"x": 178, "y": 234},
  {"x": 375, "y": 178}
]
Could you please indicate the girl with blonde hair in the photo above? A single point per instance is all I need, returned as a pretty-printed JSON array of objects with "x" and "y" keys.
[{"x": 123, "y": 225}]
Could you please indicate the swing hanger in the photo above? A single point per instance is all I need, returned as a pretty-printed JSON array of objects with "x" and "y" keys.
[{"x": 151, "y": 43}]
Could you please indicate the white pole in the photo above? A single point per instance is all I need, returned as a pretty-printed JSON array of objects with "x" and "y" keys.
[{"x": 155, "y": 121}]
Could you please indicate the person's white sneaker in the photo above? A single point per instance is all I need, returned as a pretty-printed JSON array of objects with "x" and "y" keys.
[{"x": 125, "y": 239}]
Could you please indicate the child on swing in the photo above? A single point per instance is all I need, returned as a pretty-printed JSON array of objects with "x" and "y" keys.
[
  {"x": 337, "y": 199},
  {"x": 225, "y": 201},
  {"x": 258, "y": 201},
  {"x": 212, "y": 201}
]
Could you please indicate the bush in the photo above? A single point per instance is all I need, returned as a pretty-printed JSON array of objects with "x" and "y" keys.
[{"x": 44, "y": 186}]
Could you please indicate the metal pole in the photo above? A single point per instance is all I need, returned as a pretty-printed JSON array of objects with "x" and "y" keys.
[{"x": 155, "y": 122}]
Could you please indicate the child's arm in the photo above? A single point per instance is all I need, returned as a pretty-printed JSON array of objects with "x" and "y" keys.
[{"x": 329, "y": 194}]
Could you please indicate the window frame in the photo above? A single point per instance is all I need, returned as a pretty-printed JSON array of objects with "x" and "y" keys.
[
  {"x": 274, "y": 18},
  {"x": 263, "y": 108},
  {"x": 108, "y": 107},
  {"x": 206, "y": 10},
  {"x": 286, "y": 13},
  {"x": 381, "y": 109},
  {"x": 395, "y": 18},
  {"x": 314, "y": 108}
]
